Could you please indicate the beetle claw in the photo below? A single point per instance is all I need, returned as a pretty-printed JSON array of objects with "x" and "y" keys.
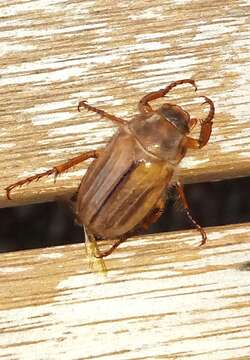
[
  {"x": 192, "y": 82},
  {"x": 210, "y": 115},
  {"x": 207, "y": 100},
  {"x": 7, "y": 189},
  {"x": 81, "y": 103}
]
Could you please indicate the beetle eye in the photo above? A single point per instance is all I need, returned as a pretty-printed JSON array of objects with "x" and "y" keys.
[{"x": 176, "y": 116}]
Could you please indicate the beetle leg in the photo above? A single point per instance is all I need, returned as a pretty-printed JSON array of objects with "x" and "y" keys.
[
  {"x": 155, "y": 213},
  {"x": 206, "y": 129},
  {"x": 56, "y": 170},
  {"x": 103, "y": 254},
  {"x": 144, "y": 106},
  {"x": 180, "y": 191},
  {"x": 115, "y": 119},
  {"x": 192, "y": 122}
]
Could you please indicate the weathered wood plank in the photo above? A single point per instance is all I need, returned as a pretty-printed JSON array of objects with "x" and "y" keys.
[
  {"x": 164, "y": 297},
  {"x": 55, "y": 53}
]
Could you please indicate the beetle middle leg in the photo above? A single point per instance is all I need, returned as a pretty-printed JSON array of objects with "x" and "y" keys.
[
  {"x": 151, "y": 218},
  {"x": 56, "y": 170},
  {"x": 180, "y": 191},
  {"x": 115, "y": 119},
  {"x": 102, "y": 254},
  {"x": 144, "y": 106},
  {"x": 155, "y": 213}
]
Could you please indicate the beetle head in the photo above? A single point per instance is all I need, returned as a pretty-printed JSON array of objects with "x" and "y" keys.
[{"x": 176, "y": 116}]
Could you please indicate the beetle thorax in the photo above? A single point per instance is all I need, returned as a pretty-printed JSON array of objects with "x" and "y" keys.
[{"x": 158, "y": 136}]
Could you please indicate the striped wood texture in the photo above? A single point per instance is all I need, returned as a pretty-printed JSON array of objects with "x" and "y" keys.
[
  {"x": 164, "y": 297},
  {"x": 54, "y": 54}
]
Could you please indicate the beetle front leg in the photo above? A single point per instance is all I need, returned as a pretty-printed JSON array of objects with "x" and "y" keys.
[
  {"x": 56, "y": 170},
  {"x": 115, "y": 119},
  {"x": 144, "y": 106},
  {"x": 192, "y": 123},
  {"x": 182, "y": 196},
  {"x": 206, "y": 129}
]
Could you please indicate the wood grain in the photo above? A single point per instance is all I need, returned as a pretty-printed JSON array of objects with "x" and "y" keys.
[
  {"x": 54, "y": 54},
  {"x": 164, "y": 297}
]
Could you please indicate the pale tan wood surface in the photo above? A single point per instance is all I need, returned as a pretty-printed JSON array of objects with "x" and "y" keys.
[
  {"x": 164, "y": 297},
  {"x": 55, "y": 53}
]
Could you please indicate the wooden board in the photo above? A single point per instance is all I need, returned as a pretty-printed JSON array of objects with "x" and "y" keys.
[
  {"x": 55, "y": 53},
  {"x": 164, "y": 297}
]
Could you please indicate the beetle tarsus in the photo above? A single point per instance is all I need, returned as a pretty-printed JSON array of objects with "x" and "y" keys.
[
  {"x": 210, "y": 115},
  {"x": 55, "y": 170},
  {"x": 80, "y": 104},
  {"x": 115, "y": 119},
  {"x": 180, "y": 82},
  {"x": 204, "y": 237},
  {"x": 108, "y": 252},
  {"x": 144, "y": 106},
  {"x": 8, "y": 190},
  {"x": 206, "y": 128},
  {"x": 182, "y": 196}
]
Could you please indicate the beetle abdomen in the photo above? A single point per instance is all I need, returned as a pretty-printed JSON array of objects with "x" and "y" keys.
[{"x": 121, "y": 187}]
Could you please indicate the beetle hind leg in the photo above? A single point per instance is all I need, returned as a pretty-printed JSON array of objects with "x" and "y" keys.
[
  {"x": 182, "y": 196},
  {"x": 56, "y": 170}
]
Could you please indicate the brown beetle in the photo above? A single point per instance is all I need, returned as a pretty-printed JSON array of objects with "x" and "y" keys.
[{"x": 125, "y": 188}]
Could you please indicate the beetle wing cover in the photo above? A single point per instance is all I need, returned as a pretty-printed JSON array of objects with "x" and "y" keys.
[
  {"x": 121, "y": 188},
  {"x": 102, "y": 177},
  {"x": 134, "y": 197}
]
